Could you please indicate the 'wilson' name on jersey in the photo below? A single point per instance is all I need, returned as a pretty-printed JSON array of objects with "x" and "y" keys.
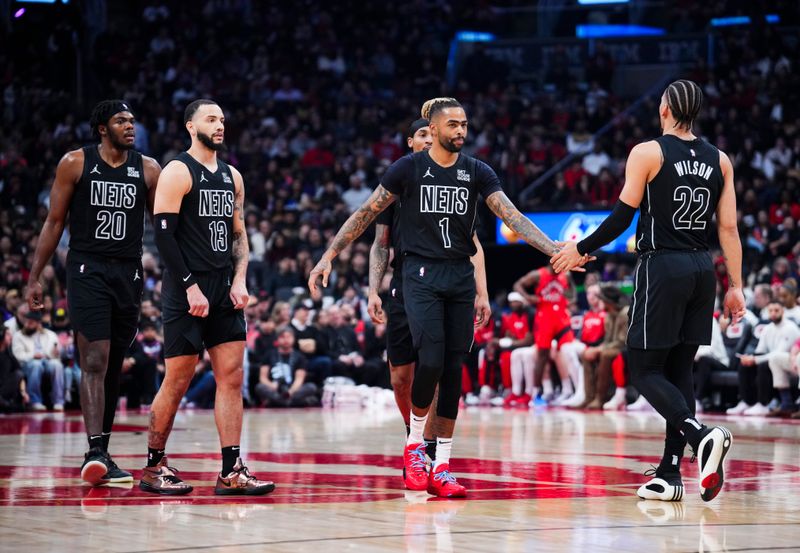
[{"x": 688, "y": 167}]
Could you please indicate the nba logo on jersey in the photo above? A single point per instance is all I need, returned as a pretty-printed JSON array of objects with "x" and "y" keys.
[
  {"x": 394, "y": 292},
  {"x": 421, "y": 272},
  {"x": 83, "y": 266},
  {"x": 691, "y": 150},
  {"x": 163, "y": 224},
  {"x": 133, "y": 173}
]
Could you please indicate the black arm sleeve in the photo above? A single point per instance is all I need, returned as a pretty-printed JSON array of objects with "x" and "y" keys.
[
  {"x": 614, "y": 225},
  {"x": 166, "y": 224}
]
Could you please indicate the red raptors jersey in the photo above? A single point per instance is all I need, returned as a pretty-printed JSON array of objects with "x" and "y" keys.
[
  {"x": 551, "y": 291},
  {"x": 484, "y": 334},
  {"x": 593, "y": 327},
  {"x": 515, "y": 325}
]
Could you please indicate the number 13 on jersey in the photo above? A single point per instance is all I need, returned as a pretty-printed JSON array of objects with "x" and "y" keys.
[{"x": 219, "y": 236}]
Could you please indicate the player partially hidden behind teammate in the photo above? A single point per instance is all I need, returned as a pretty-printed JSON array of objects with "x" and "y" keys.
[
  {"x": 199, "y": 223},
  {"x": 438, "y": 191},
  {"x": 103, "y": 190},
  {"x": 399, "y": 345},
  {"x": 678, "y": 181}
]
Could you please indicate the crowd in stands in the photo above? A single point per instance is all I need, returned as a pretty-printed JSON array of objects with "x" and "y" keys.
[{"x": 315, "y": 113}]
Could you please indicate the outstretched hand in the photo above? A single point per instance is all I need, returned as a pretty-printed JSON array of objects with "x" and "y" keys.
[{"x": 568, "y": 259}]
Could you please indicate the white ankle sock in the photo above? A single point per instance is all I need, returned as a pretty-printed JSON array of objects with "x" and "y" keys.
[
  {"x": 443, "y": 446},
  {"x": 417, "y": 425}
]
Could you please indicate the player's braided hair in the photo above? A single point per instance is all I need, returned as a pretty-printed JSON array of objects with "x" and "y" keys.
[
  {"x": 103, "y": 111},
  {"x": 434, "y": 105},
  {"x": 684, "y": 99}
]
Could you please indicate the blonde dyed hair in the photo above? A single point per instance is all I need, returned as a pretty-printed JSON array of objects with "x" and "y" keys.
[{"x": 434, "y": 105}]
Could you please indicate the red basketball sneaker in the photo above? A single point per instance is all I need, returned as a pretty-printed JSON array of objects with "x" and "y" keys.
[
  {"x": 442, "y": 483},
  {"x": 415, "y": 475}
]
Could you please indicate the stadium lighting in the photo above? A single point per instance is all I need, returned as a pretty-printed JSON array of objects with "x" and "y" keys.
[
  {"x": 606, "y": 31},
  {"x": 770, "y": 18},
  {"x": 474, "y": 36}
]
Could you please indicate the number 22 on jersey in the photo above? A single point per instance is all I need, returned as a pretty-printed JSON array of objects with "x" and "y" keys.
[{"x": 691, "y": 213}]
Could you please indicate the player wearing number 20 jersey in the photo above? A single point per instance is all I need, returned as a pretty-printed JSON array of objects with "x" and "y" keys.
[{"x": 102, "y": 191}]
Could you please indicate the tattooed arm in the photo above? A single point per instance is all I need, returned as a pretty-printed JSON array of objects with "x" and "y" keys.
[
  {"x": 378, "y": 261},
  {"x": 240, "y": 249},
  {"x": 352, "y": 229},
  {"x": 499, "y": 203}
]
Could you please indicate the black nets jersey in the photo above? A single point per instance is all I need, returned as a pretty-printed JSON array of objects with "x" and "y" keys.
[
  {"x": 106, "y": 213},
  {"x": 205, "y": 221},
  {"x": 437, "y": 205},
  {"x": 681, "y": 200}
]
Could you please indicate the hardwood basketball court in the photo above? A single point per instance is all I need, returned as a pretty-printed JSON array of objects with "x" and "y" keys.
[{"x": 538, "y": 481}]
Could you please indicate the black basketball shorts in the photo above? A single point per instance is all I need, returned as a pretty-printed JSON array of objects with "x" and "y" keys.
[
  {"x": 399, "y": 345},
  {"x": 185, "y": 334},
  {"x": 440, "y": 301},
  {"x": 104, "y": 296},
  {"x": 673, "y": 300}
]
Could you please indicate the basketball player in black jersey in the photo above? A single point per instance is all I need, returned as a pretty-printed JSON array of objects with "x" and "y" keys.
[
  {"x": 438, "y": 194},
  {"x": 678, "y": 182},
  {"x": 103, "y": 191},
  {"x": 200, "y": 234},
  {"x": 399, "y": 345}
]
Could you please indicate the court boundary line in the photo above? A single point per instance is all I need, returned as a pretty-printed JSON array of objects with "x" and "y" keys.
[{"x": 477, "y": 532}]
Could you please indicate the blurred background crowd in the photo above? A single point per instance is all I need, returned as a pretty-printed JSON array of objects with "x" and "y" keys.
[{"x": 317, "y": 105}]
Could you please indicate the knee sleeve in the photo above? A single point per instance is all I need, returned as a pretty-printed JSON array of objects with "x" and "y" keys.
[
  {"x": 428, "y": 372},
  {"x": 450, "y": 386}
]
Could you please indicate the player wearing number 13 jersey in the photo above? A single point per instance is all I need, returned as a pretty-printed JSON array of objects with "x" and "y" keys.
[
  {"x": 678, "y": 182},
  {"x": 437, "y": 191},
  {"x": 200, "y": 234},
  {"x": 102, "y": 191}
]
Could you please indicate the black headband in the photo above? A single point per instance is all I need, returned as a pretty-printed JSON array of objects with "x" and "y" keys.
[{"x": 417, "y": 125}]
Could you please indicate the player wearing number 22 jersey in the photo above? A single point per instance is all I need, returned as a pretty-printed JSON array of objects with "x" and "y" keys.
[{"x": 678, "y": 182}]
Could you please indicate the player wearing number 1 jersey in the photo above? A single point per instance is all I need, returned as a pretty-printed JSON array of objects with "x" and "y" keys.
[
  {"x": 200, "y": 234},
  {"x": 102, "y": 191},
  {"x": 438, "y": 192},
  {"x": 678, "y": 182}
]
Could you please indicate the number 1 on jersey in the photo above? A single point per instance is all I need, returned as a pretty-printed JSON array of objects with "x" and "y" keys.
[{"x": 444, "y": 224}]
